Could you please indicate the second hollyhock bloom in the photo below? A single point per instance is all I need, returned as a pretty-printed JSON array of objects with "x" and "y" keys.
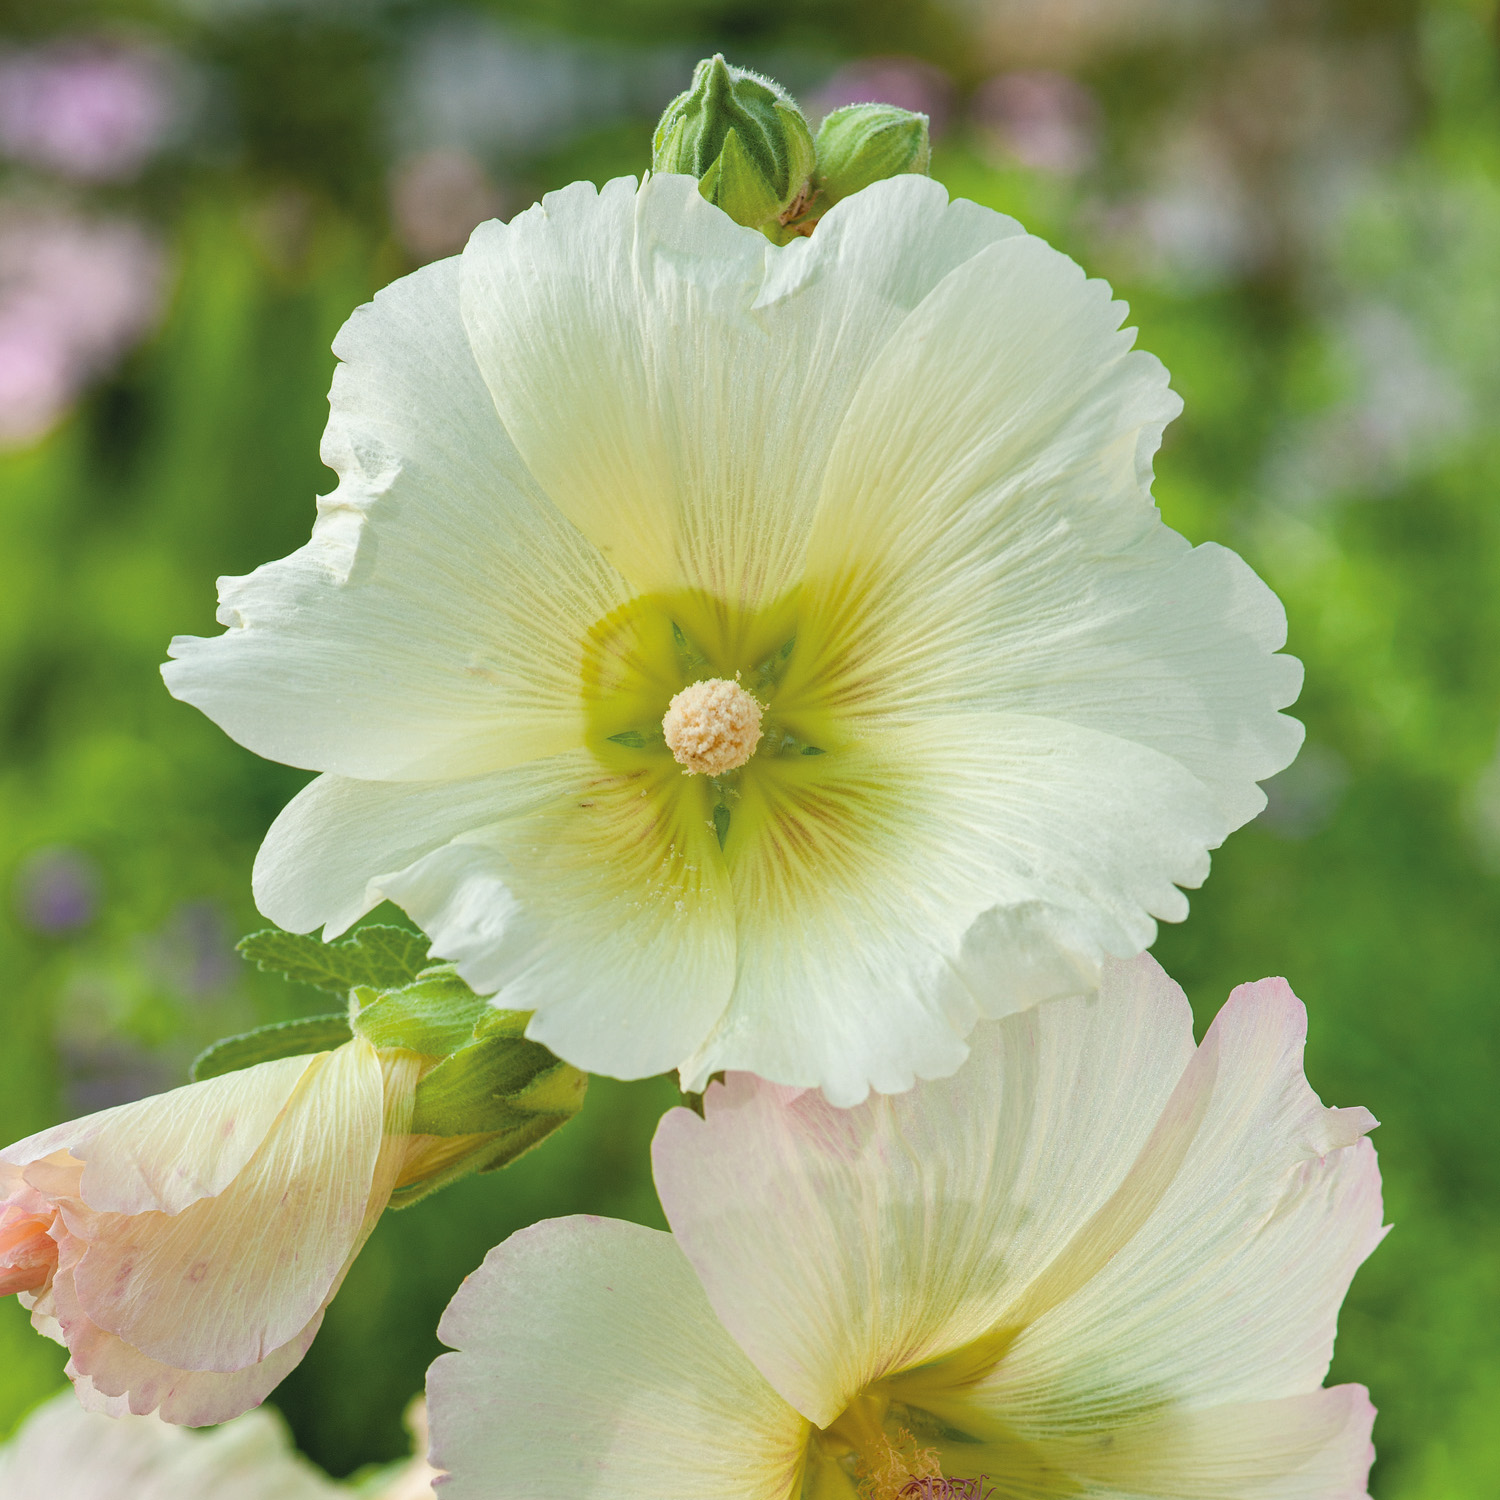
[
  {"x": 184, "y": 1247},
  {"x": 1098, "y": 1263},
  {"x": 878, "y": 503}
]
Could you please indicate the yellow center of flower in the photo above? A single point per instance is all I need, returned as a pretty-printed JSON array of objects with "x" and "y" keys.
[
  {"x": 712, "y": 727},
  {"x": 684, "y": 683}
]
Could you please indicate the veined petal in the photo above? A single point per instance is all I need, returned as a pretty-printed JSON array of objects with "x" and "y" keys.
[
  {"x": 867, "y": 868},
  {"x": 432, "y": 625},
  {"x": 1262, "y": 1204},
  {"x": 229, "y": 1279},
  {"x": 589, "y": 896},
  {"x": 1315, "y": 1446},
  {"x": 604, "y": 910},
  {"x": 111, "y": 1377},
  {"x": 986, "y": 538},
  {"x": 133, "y": 1156},
  {"x": 840, "y": 1246},
  {"x": 674, "y": 381},
  {"x": 590, "y": 1363}
]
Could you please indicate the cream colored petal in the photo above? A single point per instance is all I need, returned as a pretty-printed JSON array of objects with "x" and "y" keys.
[
  {"x": 576, "y": 890},
  {"x": 674, "y": 381},
  {"x": 66, "y": 1452},
  {"x": 1309, "y": 1447},
  {"x": 432, "y": 625},
  {"x": 863, "y": 872},
  {"x": 589, "y": 1364},
  {"x": 838, "y": 1246},
  {"x": 229, "y": 1279},
  {"x": 986, "y": 538},
  {"x": 134, "y": 1156},
  {"x": 1228, "y": 1290}
]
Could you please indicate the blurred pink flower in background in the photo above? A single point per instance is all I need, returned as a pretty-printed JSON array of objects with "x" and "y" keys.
[
  {"x": 437, "y": 198},
  {"x": 75, "y": 295},
  {"x": 1044, "y": 120},
  {"x": 905, "y": 82},
  {"x": 87, "y": 109}
]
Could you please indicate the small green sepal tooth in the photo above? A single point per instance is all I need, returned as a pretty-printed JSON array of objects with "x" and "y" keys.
[{"x": 721, "y": 823}]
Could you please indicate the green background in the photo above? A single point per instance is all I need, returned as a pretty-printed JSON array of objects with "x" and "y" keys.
[{"x": 1371, "y": 884}]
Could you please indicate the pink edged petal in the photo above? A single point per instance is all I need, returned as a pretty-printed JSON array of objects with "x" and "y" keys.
[
  {"x": 110, "y": 1376},
  {"x": 230, "y": 1279},
  {"x": 134, "y": 1157},
  {"x": 1232, "y": 1244},
  {"x": 589, "y": 1363},
  {"x": 840, "y": 1245}
]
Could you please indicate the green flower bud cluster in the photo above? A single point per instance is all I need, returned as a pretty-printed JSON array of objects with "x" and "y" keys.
[
  {"x": 486, "y": 1094},
  {"x": 750, "y": 147}
]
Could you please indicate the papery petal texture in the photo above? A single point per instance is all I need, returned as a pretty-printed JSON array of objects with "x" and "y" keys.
[
  {"x": 1098, "y": 1263},
  {"x": 893, "y": 479},
  {"x": 278, "y": 1173},
  {"x": 664, "y": 1404}
]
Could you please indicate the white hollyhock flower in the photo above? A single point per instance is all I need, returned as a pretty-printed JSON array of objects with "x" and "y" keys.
[
  {"x": 67, "y": 1453},
  {"x": 879, "y": 503},
  {"x": 1099, "y": 1263}
]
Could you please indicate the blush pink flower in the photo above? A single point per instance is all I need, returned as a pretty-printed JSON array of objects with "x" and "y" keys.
[
  {"x": 1097, "y": 1263},
  {"x": 184, "y": 1247}
]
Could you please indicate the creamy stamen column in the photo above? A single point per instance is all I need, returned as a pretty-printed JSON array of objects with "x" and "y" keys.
[{"x": 712, "y": 727}]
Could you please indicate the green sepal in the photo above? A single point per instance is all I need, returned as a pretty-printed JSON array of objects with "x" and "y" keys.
[
  {"x": 268, "y": 1043},
  {"x": 490, "y": 1154},
  {"x": 435, "y": 1015},
  {"x": 378, "y": 958},
  {"x": 485, "y": 1087}
]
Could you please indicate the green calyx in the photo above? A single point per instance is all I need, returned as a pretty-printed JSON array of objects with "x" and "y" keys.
[
  {"x": 864, "y": 143},
  {"x": 746, "y": 142},
  {"x": 485, "y": 1095}
]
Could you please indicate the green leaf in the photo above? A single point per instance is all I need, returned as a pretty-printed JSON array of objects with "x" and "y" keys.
[
  {"x": 267, "y": 1043},
  {"x": 482, "y": 1087},
  {"x": 435, "y": 1015},
  {"x": 382, "y": 958}
]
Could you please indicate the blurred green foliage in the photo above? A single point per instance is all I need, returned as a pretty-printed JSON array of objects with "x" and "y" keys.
[{"x": 1372, "y": 883}]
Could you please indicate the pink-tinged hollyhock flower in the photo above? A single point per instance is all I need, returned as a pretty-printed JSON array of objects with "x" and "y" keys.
[
  {"x": 1096, "y": 1263},
  {"x": 67, "y": 1453},
  {"x": 184, "y": 1247}
]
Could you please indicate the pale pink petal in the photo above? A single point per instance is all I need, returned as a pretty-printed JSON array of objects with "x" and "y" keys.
[
  {"x": 839, "y": 1245},
  {"x": 1247, "y": 1216},
  {"x": 231, "y": 1278},
  {"x": 590, "y": 1364},
  {"x": 133, "y": 1154}
]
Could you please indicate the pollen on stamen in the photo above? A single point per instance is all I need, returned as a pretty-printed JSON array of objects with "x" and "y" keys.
[{"x": 712, "y": 727}]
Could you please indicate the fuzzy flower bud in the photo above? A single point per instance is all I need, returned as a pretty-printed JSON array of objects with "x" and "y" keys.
[
  {"x": 744, "y": 139},
  {"x": 863, "y": 143}
]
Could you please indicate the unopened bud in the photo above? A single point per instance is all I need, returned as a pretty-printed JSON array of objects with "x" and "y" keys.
[
  {"x": 745, "y": 141},
  {"x": 863, "y": 143}
]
